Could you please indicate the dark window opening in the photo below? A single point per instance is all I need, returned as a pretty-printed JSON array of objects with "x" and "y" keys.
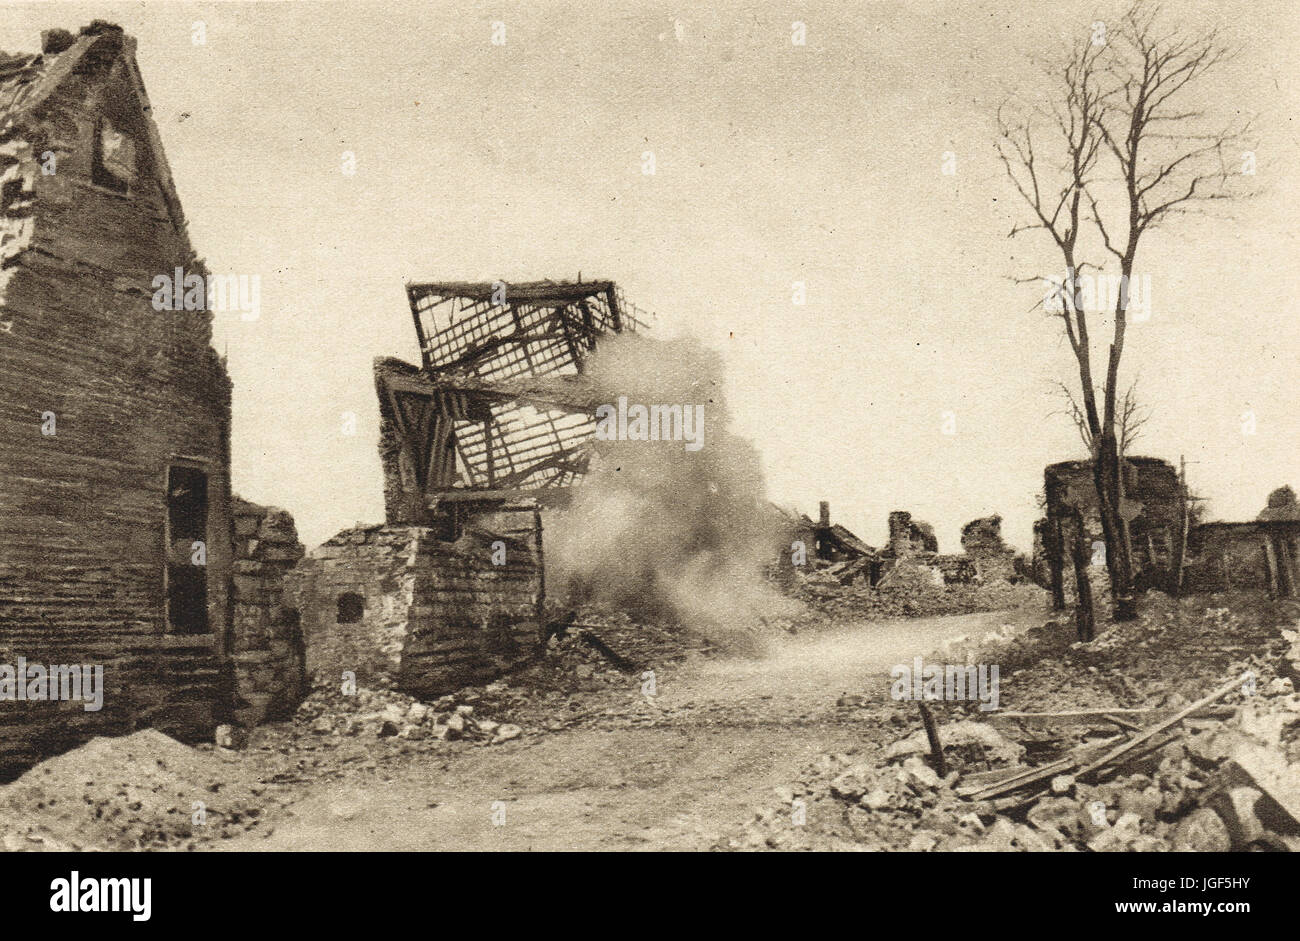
[
  {"x": 187, "y": 572},
  {"x": 100, "y": 172},
  {"x": 350, "y": 608}
]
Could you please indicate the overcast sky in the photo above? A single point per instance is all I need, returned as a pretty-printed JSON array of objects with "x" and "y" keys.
[{"x": 774, "y": 163}]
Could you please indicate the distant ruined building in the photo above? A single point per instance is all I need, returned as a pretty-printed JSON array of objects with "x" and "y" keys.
[
  {"x": 910, "y": 559},
  {"x": 1171, "y": 551}
]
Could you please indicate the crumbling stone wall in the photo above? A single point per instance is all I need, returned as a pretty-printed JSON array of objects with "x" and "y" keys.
[
  {"x": 911, "y": 560},
  {"x": 912, "y": 557},
  {"x": 401, "y": 608},
  {"x": 1154, "y": 503},
  {"x": 267, "y": 644},
  {"x": 906, "y": 536},
  {"x": 981, "y": 540},
  {"x": 1259, "y": 555},
  {"x": 99, "y": 392}
]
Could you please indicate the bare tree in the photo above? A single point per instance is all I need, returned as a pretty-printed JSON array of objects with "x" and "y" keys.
[
  {"x": 1118, "y": 132},
  {"x": 1132, "y": 418}
]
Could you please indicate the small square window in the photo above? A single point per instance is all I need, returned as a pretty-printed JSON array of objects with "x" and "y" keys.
[{"x": 350, "y": 608}]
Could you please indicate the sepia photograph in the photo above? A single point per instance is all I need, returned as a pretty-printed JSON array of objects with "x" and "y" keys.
[{"x": 607, "y": 427}]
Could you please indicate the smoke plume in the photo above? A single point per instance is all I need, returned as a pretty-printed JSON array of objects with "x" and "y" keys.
[{"x": 661, "y": 527}]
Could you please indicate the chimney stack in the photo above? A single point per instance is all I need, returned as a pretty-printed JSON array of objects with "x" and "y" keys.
[
  {"x": 54, "y": 41},
  {"x": 900, "y": 532}
]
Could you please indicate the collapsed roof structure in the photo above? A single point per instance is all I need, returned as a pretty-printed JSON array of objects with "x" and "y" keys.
[{"x": 499, "y": 408}]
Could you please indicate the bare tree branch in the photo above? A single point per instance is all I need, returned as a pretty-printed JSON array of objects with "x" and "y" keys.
[{"x": 1137, "y": 102}]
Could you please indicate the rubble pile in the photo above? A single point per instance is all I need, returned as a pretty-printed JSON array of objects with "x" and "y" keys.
[
  {"x": 1180, "y": 731},
  {"x": 893, "y": 801},
  {"x": 642, "y": 641},
  {"x": 554, "y": 692},
  {"x": 1172, "y": 652},
  {"x": 1194, "y": 794},
  {"x": 377, "y": 713},
  {"x": 840, "y": 593},
  {"x": 137, "y": 792}
]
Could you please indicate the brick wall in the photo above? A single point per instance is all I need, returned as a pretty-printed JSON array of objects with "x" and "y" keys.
[
  {"x": 267, "y": 645},
  {"x": 434, "y": 615},
  {"x": 907, "y": 536},
  {"x": 83, "y": 511},
  {"x": 1225, "y": 556}
]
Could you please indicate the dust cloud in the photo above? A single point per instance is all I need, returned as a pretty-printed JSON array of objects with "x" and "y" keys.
[{"x": 678, "y": 526}]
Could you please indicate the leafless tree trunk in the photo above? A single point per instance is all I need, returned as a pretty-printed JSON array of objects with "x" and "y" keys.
[
  {"x": 1083, "y": 614},
  {"x": 1117, "y": 133}
]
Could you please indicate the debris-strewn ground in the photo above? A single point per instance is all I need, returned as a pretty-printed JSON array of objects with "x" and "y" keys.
[
  {"x": 139, "y": 791},
  {"x": 827, "y": 598},
  {"x": 572, "y": 685},
  {"x": 631, "y": 768},
  {"x": 1224, "y": 780},
  {"x": 678, "y": 746}
]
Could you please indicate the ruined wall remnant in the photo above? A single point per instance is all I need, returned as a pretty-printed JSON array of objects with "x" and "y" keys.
[
  {"x": 907, "y": 536},
  {"x": 114, "y": 416},
  {"x": 401, "y": 608},
  {"x": 1251, "y": 555},
  {"x": 267, "y": 644},
  {"x": 981, "y": 540},
  {"x": 1153, "y": 506},
  {"x": 1261, "y": 554},
  {"x": 912, "y": 557},
  {"x": 983, "y": 535}
]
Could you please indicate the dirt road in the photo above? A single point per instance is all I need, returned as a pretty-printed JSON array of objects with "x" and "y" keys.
[{"x": 729, "y": 730}]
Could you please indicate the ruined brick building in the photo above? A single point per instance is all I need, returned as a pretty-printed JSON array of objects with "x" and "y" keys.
[
  {"x": 114, "y": 416},
  {"x": 1261, "y": 553},
  {"x": 1171, "y": 550},
  {"x": 493, "y": 426},
  {"x": 912, "y": 554}
]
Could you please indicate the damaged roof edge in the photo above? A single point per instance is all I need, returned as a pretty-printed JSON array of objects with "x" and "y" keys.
[
  {"x": 59, "y": 66},
  {"x": 521, "y": 291}
]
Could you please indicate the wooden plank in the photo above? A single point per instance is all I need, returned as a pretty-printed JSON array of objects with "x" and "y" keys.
[
  {"x": 1157, "y": 729},
  {"x": 1122, "y": 723},
  {"x": 531, "y": 291},
  {"x": 1081, "y": 716},
  {"x": 1021, "y": 779},
  {"x": 563, "y": 393},
  {"x": 932, "y": 734},
  {"x": 552, "y": 495}
]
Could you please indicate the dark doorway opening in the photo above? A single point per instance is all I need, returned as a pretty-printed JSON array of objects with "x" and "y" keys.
[{"x": 187, "y": 570}]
